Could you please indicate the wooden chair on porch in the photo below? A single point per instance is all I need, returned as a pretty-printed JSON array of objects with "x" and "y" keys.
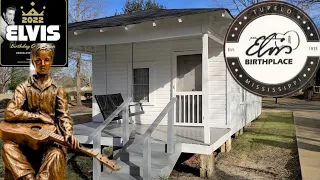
[{"x": 110, "y": 102}]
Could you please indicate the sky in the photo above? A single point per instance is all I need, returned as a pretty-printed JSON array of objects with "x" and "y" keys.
[{"x": 112, "y": 5}]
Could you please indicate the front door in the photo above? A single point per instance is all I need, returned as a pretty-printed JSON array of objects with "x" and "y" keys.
[{"x": 187, "y": 87}]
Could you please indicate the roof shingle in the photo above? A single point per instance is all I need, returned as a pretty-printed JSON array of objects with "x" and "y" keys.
[{"x": 138, "y": 17}]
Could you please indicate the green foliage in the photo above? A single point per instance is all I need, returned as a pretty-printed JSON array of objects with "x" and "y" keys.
[
  {"x": 71, "y": 93},
  {"x": 79, "y": 167},
  {"x": 74, "y": 94},
  {"x": 138, "y": 5},
  {"x": 163, "y": 177},
  {"x": 107, "y": 151},
  {"x": 4, "y": 103},
  {"x": 153, "y": 5},
  {"x": 18, "y": 75},
  {"x": 133, "y": 5}
]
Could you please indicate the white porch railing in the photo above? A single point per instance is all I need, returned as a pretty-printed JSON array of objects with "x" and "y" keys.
[
  {"x": 189, "y": 108},
  {"x": 146, "y": 138},
  {"x": 95, "y": 136},
  {"x": 316, "y": 89}
]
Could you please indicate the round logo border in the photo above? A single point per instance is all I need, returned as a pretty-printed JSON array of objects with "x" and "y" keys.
[{"x": 290, "y": 87}]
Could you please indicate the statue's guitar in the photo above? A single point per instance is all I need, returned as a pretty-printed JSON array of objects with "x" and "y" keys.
[{"x": 35, "y": 135}]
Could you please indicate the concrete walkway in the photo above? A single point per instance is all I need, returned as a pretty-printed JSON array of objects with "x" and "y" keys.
[
  {"x": 307, "y": 121},
  {"x": 308, "y": 137}
]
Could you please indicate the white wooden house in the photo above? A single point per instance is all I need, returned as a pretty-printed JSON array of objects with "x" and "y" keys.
[{"x": 155, "y": 55}]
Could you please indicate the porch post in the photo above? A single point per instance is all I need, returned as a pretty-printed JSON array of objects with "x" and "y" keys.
[
  {"x": 96, "y": 166},
  {"x": 170, "y": 131},
  {"x": 205, "y": 88},
  {"x": 125, "y": 124}
]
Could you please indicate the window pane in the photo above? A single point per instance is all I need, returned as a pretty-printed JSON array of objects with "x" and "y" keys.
[
  {"x": 141, "y": 84},
  {"x": 141, "y": 92},
  {"x": 141, "y": 76},
  {"x": 189, "y": 72}
]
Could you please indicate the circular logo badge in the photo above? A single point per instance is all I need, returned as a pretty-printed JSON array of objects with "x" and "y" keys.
[{"x": 272, "y": 49}]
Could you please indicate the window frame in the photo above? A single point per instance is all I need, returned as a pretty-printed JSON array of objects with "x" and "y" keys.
[
  {"x": 137, "y": 65},
  {"x": 144, "y": 84}
]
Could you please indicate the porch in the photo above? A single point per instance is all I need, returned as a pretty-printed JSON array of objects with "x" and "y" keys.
[
  {"x": 191, "y": 138},
  {"x": 146, "y": 151},
  {"x": 189, "y": 68}
]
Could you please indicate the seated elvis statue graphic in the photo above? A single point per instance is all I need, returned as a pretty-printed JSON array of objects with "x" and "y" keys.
[
  {"x": 38, "y": 99},
  {"x": 38, "y": 128}
]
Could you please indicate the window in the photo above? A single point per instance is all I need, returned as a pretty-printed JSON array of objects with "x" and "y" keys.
[{"x": 141, "y": 84}]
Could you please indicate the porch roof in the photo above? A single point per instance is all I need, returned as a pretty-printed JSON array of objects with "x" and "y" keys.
[{"x": 138, "y": 17}]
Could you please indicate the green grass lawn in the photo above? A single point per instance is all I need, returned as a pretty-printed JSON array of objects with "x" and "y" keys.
[
  {"x": 266, "y": 150},
  {"x": 79, "y": 167}
]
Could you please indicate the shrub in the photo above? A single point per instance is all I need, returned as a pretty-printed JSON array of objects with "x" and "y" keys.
[
  {"x": 4, "y": 103},
  {"x": 87, "y": 94}
]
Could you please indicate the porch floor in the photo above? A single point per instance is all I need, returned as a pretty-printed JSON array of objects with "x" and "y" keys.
[{"x": 183, "y": 134}]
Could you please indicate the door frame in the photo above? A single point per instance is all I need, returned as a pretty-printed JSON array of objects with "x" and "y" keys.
[{"x": 175, "y": 54}]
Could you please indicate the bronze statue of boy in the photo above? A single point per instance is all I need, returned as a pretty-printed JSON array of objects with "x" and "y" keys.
[{"x": 39, "y": 98}]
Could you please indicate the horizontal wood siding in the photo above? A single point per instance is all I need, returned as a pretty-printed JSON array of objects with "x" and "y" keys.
[
  {"x": 235, "y": 108},
  {"x": 157, "y": 52},
  {"x": 112, "y": 77},
  {"x": 241, "y": 113},
  {"x": 254, "y": 106},
  {"x": 99, "y": 80},
  {"x": 217, "y": 85}
]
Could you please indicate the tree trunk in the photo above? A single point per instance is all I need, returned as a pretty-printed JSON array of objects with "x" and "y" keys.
[
  {"x": 78, "y": 10},
  {"x": 79, "y": 103},
  {"x": 2, "y": 87}
]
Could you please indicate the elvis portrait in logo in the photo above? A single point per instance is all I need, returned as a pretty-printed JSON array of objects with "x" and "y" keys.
[
  {"x": 27, "y": 22},
  {"x": 7, "y": 18},
  {"x": 272, "y": 59}
]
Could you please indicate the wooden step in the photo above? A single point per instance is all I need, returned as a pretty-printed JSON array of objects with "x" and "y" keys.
[
  {"x": 158, "y": 158},
  {"x": 131, "y": 163},
  {"x": 106, "y": 141},
  {"x": 113, "y": 176},
  {"x": 135, "y": 169}
]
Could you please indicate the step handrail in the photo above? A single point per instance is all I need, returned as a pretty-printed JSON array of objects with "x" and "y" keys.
[
  {"x": 146, "y": 137},
  {"x": 157, "y": 121},
  {"x": 95, "y": 136},
  {"x": 109, "y": 119}
]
